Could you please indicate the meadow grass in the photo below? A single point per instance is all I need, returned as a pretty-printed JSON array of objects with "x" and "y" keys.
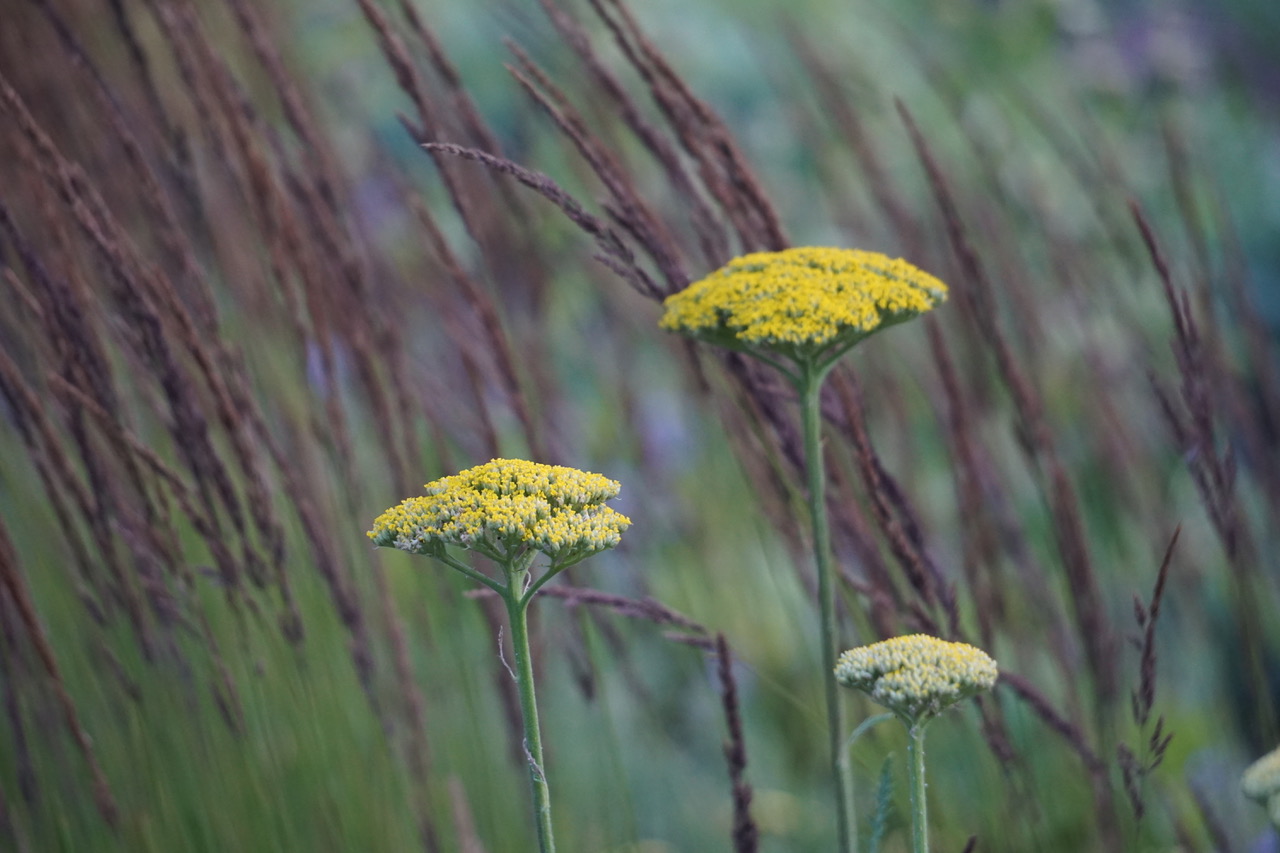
[{"x": 246, "y": 310}]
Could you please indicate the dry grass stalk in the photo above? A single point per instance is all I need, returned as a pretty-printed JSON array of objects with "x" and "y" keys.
[
  {"x": 15, "y": 588},
  {"x": 463, "y": 821},
  {"x": 853, "y": 534},
  {"x": 745, "y": 833},
  {"x": 190, "y": 443},
  {"x": 1135, "y": 766},
  {"x": 7, "y": 830},
  {"x": 17, "y": 669},
  {"x": 837, "y": 105},
  {"x": 160, "y": 311},
  {"x": 897, "y": 522},
  {"x": 498, "y": 343},
  {"x": 430, "y": 124},
  {"x": 413, "y": 709},
  {"x": 704, "y": 137},
  {"x": 626, "y": 207},
  {"x": 646, "y": 609},
  {"x": 1044, "y": 709},
  {"x": 136, "y": 294},
  {"x": 1256, "y": 397},
  {"x": 1192, "y": 420},
  {"x": 1092, "y": 626},
  {"x": 1143, "y": 698},
  {"x": 980, "y": 560},
  {"x": 614, "y": 252},
  {"x": 712, "y": 238}
]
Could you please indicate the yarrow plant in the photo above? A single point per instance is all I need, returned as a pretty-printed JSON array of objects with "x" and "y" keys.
[
  {"x": 1261, "y": 782},
  {"x": 802, "y": 306},
  {"x": 800, "y": 310},
  {"x": 917, "y": 678},
  {"x": 510, "y": 511}
]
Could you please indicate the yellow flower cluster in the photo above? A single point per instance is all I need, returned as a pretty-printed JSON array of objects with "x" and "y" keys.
[
  {"x": 505, "y": 507},
  {"x": 803, "y": 299},
  {"x": 917, "y": 676},
  {"x": 1261, "y": 782}
]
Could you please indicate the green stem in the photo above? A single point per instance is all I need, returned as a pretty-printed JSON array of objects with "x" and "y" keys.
[
  {"x": 915, "y": 781},
  {"x": 864, "y": 727},
  {"x": 518, "y": 612},
  {"x": 810, "y": 388},
  {"x": 463, "y": 568}
]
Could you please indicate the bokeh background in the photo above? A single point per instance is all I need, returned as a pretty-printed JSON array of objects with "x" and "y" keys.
[{"x": 245, "y": 311}]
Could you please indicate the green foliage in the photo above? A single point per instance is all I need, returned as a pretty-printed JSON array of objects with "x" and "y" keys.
[{"x": 883, "y": 815}]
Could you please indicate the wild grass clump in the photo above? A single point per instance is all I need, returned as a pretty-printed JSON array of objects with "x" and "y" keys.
[{"x": 267, "y": 269}]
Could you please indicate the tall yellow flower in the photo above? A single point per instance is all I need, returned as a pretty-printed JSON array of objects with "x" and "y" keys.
[
  {"x": 917, "y": 676},
  {"x": 802, "y": 303},
  {"x": 506, "y": 508},
  {"x": 511, "y": 510},
  {"x": 800, "y": 310}
]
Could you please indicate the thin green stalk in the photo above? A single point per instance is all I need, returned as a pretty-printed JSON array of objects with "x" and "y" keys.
[
  {"x": 864, "y": 727},
  {"x": 518, "y": 612},
  {"x": 810, "y": 388},
  {"x": 915, "y": 784}
]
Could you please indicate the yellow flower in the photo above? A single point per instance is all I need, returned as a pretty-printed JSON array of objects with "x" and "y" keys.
[
  {"x": 507, "y": 507},
  {"x": 802, "y": 303},
  {"x": 917, "y": 676}
]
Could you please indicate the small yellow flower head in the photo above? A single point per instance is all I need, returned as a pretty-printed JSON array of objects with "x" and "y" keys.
[
  {"x": 507, "y": 507},
  {"x": 918, "y": 676},
  {"x": 802, "y": 302},
  {"x": 1261, "y": 781}
]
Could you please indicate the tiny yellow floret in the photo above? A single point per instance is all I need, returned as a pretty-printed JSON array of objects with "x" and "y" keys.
[
  {"x": 802, "y": 301},
  {"x": 917, "y": 676},
  {"x": 505, "y": 507}
]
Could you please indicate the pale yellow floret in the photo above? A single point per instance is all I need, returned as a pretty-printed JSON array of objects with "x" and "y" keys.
[
  {"x": 803, "y": 298},
  {"x": 917, "y": 676},
  {"x": 505, "y": 506},
  {"x": 1261, "y": 781}
]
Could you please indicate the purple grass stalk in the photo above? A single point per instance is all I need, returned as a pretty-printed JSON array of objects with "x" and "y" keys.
[
  {"x": 1214, "y": 473},
  {"x": 1092, "y": 625},
  {"x": 15, "y": 587},
  {"x": 746, "y": 835}
]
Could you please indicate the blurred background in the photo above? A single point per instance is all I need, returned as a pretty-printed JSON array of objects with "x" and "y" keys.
[{"x": 245, "y": 311}]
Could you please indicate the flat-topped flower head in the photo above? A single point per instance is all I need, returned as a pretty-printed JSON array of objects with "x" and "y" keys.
[
  {"x": 802, "y": 303},
  {"x": 917, "y": 676},
  {"x": 1261, "y": 781},
  {"x": 505, "y": 508}
]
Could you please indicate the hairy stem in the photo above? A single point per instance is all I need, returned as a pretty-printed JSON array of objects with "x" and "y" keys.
[
  {"x": 518, "y": 612},
  {"x": 915, "y": 782}
]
